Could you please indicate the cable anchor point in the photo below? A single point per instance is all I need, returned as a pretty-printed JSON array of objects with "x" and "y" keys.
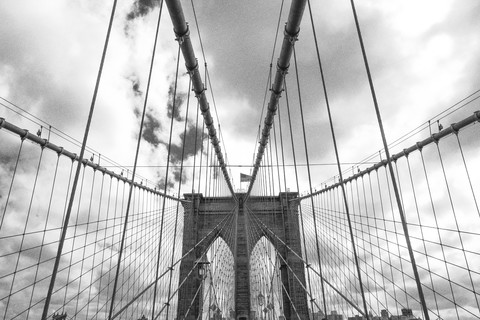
[{"x": 181, "y": 37}]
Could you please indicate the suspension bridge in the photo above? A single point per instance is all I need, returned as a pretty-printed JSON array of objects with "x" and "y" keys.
[{"x": 394, "y": 236}]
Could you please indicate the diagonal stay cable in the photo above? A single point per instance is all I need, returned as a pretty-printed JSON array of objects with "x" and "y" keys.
[
  {"x": 79, "y": 166},
  {"x": 224, "y": 221},
  {"x": 390, "y": 166},
  {"x": 452, "y": 129},
  {"x": 264, "y": 228},
  {"x": 313, "y": 270},
  {"x": 130, "y": 192}
]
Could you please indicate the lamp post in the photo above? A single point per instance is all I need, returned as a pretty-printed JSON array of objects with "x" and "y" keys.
[
  {"x": 260, "y": 299},
  {"x": 202, "y": 268},
  {"x": 202, "y": 273},
  {"x": 261, "y": 302}
]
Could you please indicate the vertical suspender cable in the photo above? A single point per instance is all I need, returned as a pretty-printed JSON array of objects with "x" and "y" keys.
[
  {"x": 24, "y": 230},
  {"x": 179, "y": 191},
  {"x": 182, "y": 32},
  {"x": 77, "y": 172},
  {"x": 300, "y": 208},
  {"x": 201, "y": 155},
  {"x": 165, "y": 186},
  {"x": 12, "y": 181},
  {"x": 87, "y": 224},
  {"x": 390, "y": 167},
  {"x": 278, "y": 163},
  {"x": 307, "y": 264},
  {"x": 207, "y": 170},
  {"x": 291, "y": 32},
  {"x": 334, "y": 140},
  {"x": 120, "y": 253},
  {"x": 74, "y": 239},
  {"x": 195, "y": 150},
  {"x": 322, "y": 284},
  {"x": 44, "y": 231}
]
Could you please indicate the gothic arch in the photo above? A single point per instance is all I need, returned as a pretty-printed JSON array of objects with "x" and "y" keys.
[{"x": 203, "y": 221}]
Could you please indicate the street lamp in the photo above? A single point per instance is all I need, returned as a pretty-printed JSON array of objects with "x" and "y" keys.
[
  {"x": 260, "y": 299},
  {"x": 59, "y": 316},
  {"x": 202, "y": 268}
]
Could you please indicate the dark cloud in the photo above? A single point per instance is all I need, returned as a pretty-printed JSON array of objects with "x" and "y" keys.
[
  {"x": 161, "y": 184},
  {"x": 176, "y": 175},
  {"x": 150, "y": 128},
  {"x": 141, "y": 8},
  {"x": 137, "y": 94},
  {"x": 191, "y": 148},
  {"x": 136, "y": 86},
  {"x": 136, "y": 112},
  {"x": 179, "y": 100}
]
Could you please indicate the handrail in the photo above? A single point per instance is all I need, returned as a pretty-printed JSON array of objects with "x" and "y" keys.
[
  {"x": 44, "y": 143},
  {"x": 453, "y": 128}
]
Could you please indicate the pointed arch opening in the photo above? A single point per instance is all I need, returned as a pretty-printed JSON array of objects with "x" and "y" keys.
[
  {"x": 266, "y": 298},
  {"x": 218, "y": 294}
]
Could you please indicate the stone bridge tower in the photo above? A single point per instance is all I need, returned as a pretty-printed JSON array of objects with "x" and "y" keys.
[{"x": 204, "y": 218}]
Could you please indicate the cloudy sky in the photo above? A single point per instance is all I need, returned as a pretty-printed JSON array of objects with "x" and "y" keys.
[{"x": 423, "y": 57}]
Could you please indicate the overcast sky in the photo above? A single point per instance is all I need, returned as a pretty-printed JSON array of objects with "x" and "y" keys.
[{"x": 423, "y": 57}]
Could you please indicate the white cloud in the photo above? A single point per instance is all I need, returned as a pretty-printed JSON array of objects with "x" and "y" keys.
[{"x": 423, "y": 54}]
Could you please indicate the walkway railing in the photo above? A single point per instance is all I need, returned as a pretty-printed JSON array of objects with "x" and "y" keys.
[
  {"x": 35, "y": 185},
  {"x": 439, "y": 187},
  {"x": 438, "y": 179}
]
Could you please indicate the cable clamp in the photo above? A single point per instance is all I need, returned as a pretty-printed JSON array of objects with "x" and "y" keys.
[
  {"x": 435, "y": 138},
  {"x": 292, "y": 37},
  {"x": 277, "y": 94},
  {"x": 454, "y": 130},
  {"x": 199, "y": 93},
  {"x": 181, "y": 37},
  {"x": 419, "y": 145},
  {"x": 477, "y": 115},
  {"x": 24, "y": 135},
  {"x": 44, "y": 143},
  {"x": 282, "y": 71},
  {"x": 191, "y": 71}
]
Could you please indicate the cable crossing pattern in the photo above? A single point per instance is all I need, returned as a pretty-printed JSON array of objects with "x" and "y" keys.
[{"x": 394, "y": 236}]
